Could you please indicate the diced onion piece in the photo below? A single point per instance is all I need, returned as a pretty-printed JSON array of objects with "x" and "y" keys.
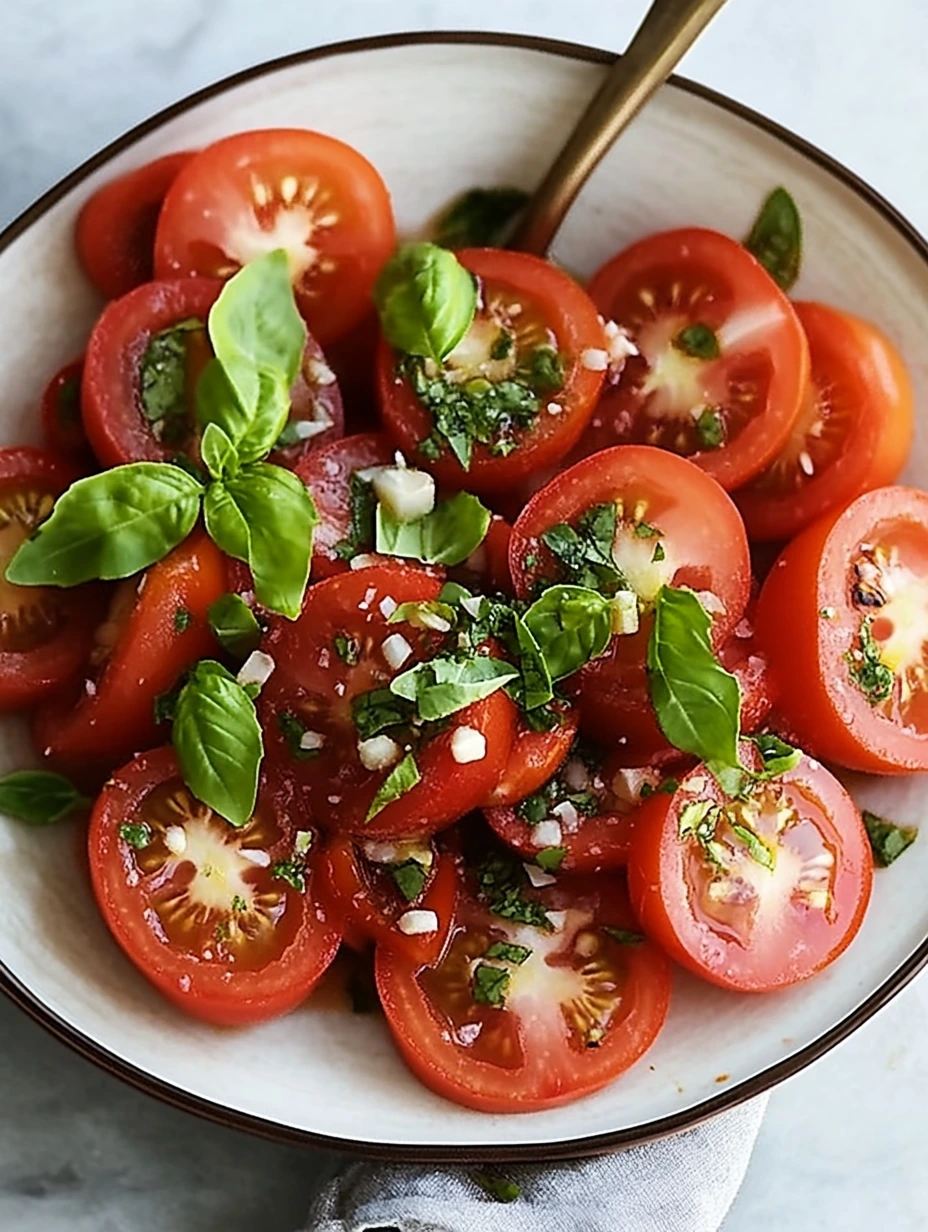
[
  {"x": 378, "y": 753},
  {"x": 557, "y": 919},
  {"x": 364, "y": 560},
  {"x": 175, "y": 839},
  {"x": 624, "y": 608},
  {"x": 406, "y": 493},
  {"x": 538, "y": 877},
  {"x": 472, "y": 605},
  {"x": 711, "y": 603},
  {"x": 576, "y": 775},
  {"x": 594, "y": 359},
  {"x": 319, "y": 372},
  {"x": 303, "y": 429},
  {"x": 627, "y": 783},
  {"x": 415, "y": 922},
  {"x": 568, "y": 816},
  {"x": 256, "y": 669},
  {"x": 468, "y": 744},
  {"x": 387, "y": 606},
  {"x": 547, "y": 834},
  {"x": 396, "y": 650},
  {"x": 311, "y": 740}
]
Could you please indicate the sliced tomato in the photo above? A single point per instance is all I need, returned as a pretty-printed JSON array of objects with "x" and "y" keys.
[
  {"x": 45, "y": 632},
  {"x": 754, "y": 893},
  {"x": 853, "y": 433},
  {"x": 317, "y": 417},
  {"x": 486, "y": 570},
  {"x": 585, "y": 1002},
  {"x": 62, "y": 426},
  {"x": 530, "y": 312},
  {"x": 289, "y": 188},
  {"x": 155, "y": 629},
  {"x": 535, "y": 755},
  {"x": 842, "y": 616},
  {"x": 399, "y": 895},
  {"x": 226, "y": 923},
  {"x": 718, "y": 361},
  {"x": 337, "y": 650},
  {"x": 743, "y": 657},
  {"x": 115, "y": 231}
]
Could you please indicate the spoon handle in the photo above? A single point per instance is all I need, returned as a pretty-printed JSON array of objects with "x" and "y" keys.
[{"x": 668, "y": 30}]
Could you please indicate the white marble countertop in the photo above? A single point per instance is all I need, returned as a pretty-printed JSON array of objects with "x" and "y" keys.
[{"x": 842, "y": 1144}]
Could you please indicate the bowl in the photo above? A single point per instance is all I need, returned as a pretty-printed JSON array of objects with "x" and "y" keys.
[{"x": 438, "y": 114}]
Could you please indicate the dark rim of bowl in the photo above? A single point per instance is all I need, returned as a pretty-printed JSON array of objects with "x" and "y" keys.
[{"x": 499, "y": 1151}]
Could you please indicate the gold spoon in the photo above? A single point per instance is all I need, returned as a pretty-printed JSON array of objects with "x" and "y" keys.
[{"x": 669, "y": 29}]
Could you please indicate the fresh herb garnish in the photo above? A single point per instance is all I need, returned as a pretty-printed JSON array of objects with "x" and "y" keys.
[
  {"x": 347, "y": 648},
  {"x": 136, "y": 834},
  {"x": 501, "y": 881},
  {"x": 776, "y": 238},
  {"x": 39, "y": 797},
  {"x": 293, "y": 732},
  {"x": 164, "y": 706},
  {"x": 665, "y": 787},
  {"x": 182, "y": 620},
  {"x": 402, "y": 778},
  {"x": 497, "y": 1187},
  {"x": 410, "y": 878},
  {"x": 710, "y": 428},
  {"x": 378, "y": 710},
  {"x": 887, "y": 840},
  {"x": 163, "y": 380},
  {"x": 426, "y": 300},
  {"x": 234, "y": 625},
  {"x": 571, "y": 625},
  {"x": 508, "y": 952},
  {"x": 624, "y": 936},
  {"x": 503, "y": 345},
  {"x": 550, "y": 859},
  {"x": 292, "y": 871},
  {"x": 585, "y": 553},
  {"x": 362, "y": 504},
  {"x": 443, "y": 686},
  {"x": 698, "y": 341},
  {"x": 447, "y": 536},
  {"x": 490, "y": 985},
  {"x": 480, "y": 218},
  {"x": 758, "y": 850},
  {"x": 699, "y": 820},
  {"x": 776, "y": 754},
  {"x": 867, "y": 669}
]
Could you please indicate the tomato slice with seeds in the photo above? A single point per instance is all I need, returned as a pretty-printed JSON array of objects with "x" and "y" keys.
[
  {"x": 62, "y": 425},
  {"x": 226, "y": 923},
  {"x": 154, "y": 629},
  {"x": 853, "y": 433},
  {"x": 45, "y": 632},
  {"x": 340, "y": 647},
  {"x": 115, "y": 230},
  {"x": 534, "y": 756},
  {"x": 315, "y": 197},
  {"x": 517, "y": 379},
  {"x": 569, "y": 1009},
  {"x": 842, "y": 618},
  {"x": 754, "y": 893},
  {"x": 720, "y": 360}
]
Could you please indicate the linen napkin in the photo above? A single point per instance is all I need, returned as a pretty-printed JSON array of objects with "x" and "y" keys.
[{"x": 680, "y": 1184}]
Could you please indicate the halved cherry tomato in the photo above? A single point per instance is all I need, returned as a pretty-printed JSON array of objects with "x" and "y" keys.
[
  {"x": 337, "y": 650},
  {"x": 371, "y": 884},
  {"x": 154, "y": 630},
  {"x": 486, "y": 570},
  {"x": 843, "y": 616},
  {"x": 317, "y": 417},
  {"x": 499, "y": 1035},
  {"x": 289, "y": 188},
  {"x": 754, "y": 893},
  {"x": 528, "y": 309},
  {"x": 719, "y": 361},
  {"x": 534, "y": 757},
  {"x": 115, "y": 231},
  {"x": 743, "y": 657},
  {"x": 853, "y": 433},
  {"x": 45, "y": 632},
  {"x": 226, "y": 923},
  {"x": 62, "y": 426}
]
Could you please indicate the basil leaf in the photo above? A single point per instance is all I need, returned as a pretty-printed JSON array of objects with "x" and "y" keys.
[
  {"x": 362, "y": 504},
  {"x": 265, "y": 516},
  {"x": 502, "y": 882},
  {"x": 710, "y": 428},
  {"x": 887, "y": 840},
  {"x": 447, "y": 536},
  {"x": 490, "y": 985},
  {"x": 497, "y": 1187},
  {"x": 136, "y": 834},
  {"x": 536, "y": 678},
  {"x": 424, "y": 614},
  {"x": 571, "y": 626},
  {"x": 444, "y": 686},
  {"x": 110, "y": 526},
  {"x": 698, "y": 341},
  {"x": 758, "y": 850},
  {"x": 426, "y": 300},
  {"x": 550, "y": 859},
  {"x": 402, "y": 778},
  {"x": 234, "y": 625},
  {"x": 378, "y": 710},
  {"x": 697, "y": 703},
  {"x": 39, "y": 797},
  {"x": 586, "y": 553},
  {"x": 410, "y": 878},
  {"x": 219, "y": 454},
  {"x": 218, "y": 743},
  {"x": 509, "y": 952},
  {"x": 163, "y": 373},
  {"x": 776, "y": 238},
  {"x": 480, "y": 218},
  {"x": 777, "y": 755}
]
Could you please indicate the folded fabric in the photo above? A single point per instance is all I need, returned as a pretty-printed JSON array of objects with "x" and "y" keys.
[{"x": 681, "y": 1184}]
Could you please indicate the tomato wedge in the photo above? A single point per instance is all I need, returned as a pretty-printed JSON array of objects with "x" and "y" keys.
[
  {"x": 753, "y": 894},
  {"x": 62, "y": 426},
  {"x": 718, "y": 361},
  {"x": 225, "y": 922},
  {"x": 289, "y": 188},
  {"x": 516, "y": 1017},
  {"x": 853, "y": 433},
  {"x": 524, "y": 369}
]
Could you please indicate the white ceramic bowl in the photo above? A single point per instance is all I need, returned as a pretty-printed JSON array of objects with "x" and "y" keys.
[{"x": 438, "y": 114}]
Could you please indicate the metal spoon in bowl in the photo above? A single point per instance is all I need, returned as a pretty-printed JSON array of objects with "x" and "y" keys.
[{"x": 669, "y": 29}]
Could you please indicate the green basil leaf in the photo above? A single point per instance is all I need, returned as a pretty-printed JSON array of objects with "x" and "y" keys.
[
  {"x": 410, "y": 878},
  {"x": 39, "y": 797},
  {"x": 697, "y": 703},
  {"x": 698, "y": 341},
  {"x": 136, "y": 834},
  {"x": 377, "y": 710},
  {"x": 110, "y": 526},
  {"x": 447, "y": 536},
  {"x": 402, "y": 778},
  {"x": 887, "y": 840},
  {"x": 265, "y": 516},
  {"x": 218, "y": 743},
  {"x": 234, "y": 625},
  {"x": 362, "y": 504},
  {"x": 426, "y": 300},
  {"x": 490, "y": 984},
  {"x": 536, "y": 688},
  {"x": 778, "y": 756},
  {"x": 758, "y": 850},
  {"x": 776, "y": 238},
  {"x": 219, "y": 454},
  {"x": 585, "y": 553},
  {"x": 424, "y": 614},
  {"x": 509, "y": 952},
  {"x": 710, "y": 428},
  {"x": 571, "y": 625},
  {"x": 444, "y": 686},
  {"x": 480, "y": 218},
  {"x": 163, "y": 373},
  {"x": 497, "y": 1187},
  {"x": 550, "y": 859}
]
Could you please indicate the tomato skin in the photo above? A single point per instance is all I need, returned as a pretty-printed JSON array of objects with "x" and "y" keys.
[
  {"x": 115, "y": 230},
  {"x": 212, "y": 221},
  {"x": 209, "y": 990},
  {"x": 315, "y": 396},
  {"x": 62, "y": 426},
  {"x": 601, "y": 845},
  {"x": 857, "y": 367},
  {"x": 533, "y": 758},
  {"x": 86, "y": 735},
  {"x": 486, "y": 570},
  {"x": 662, "y": 895},
  {"x": 571, "y": 317}
]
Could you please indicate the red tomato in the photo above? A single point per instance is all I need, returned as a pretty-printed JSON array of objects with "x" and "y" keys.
[
  {"x": 200, "y": 907},
  {"x": 327, "y": 473},
  {"x": 534, "y": 757},
  {"x": 325, "y": 659},
  {"x": 842, "y": 618},
  {"x": 353, "y": 359},
  {"x": 289, "y": 188},
  {"x": 682, "y": 292},
  {"x": 532, "y": 306},
  {"x": 45, "y": 632},
  {"x": 115, "y": 232},
  {"x": 742, "y": 656},
  {"x": 584, "y": 1004},
  {"x": 62, "y": 427},
  {"x": 486, "y": 570},
  {"x": 317, "y": 417},
  {"x": 367, "y": 880},
  {"x": 853, "y": 433},
  {"x": 752, "y": 922},
  {"x": 154, "y": 630}
]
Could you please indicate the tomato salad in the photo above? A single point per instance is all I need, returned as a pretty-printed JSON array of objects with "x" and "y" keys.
[{"x": 488, "y": 691}]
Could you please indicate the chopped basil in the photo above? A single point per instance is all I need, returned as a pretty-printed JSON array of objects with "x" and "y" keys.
[
  {"x": 533, "y": 809},
  {"x": 546, "y": 370},
  {"x": 378, "y": 710},
  {"x": 509, "y": 952},
  {"x": 624, "y": 936},
  {"x": 164, "y": 706},
  {"x": 585, "y": 554},
  {"x": 490, "y": 985},
  {"x": 758, "y": 850},
  {"x": 136, "y": 834},
  {"x": 534, "y": 688},
  {"x": 497, "y": 1187},
  {"x": 182, "y": 620},
  {"x": 699, "y": 820},
  {"x": 644, "y": 530},
  {"x": 238, "y": 904},
  {"x": 710, "y": 428},
  {"x": 867, "y": 669},
  {"x": 777, "y": 755},
  {"x": 698, "y": 341},
  {"x": 234, "y": 625},
  {"x": 163, "y": 380},
  {"x": 402, "y": 778},
  {"x": 292, "y": 871},
  {"x": 480, "y": 218},
  {"x": 443, "y": 686},
  {"x": 362, "y": 504},
  {"x": 293, "y": 732},
  {"x": 425, "y": 614},
  {"x": 776, "y": 238},
  {"x": 550, "y": 858},
  {"x": 410, "y": 878},
  {"x": 501, "y": 881},
  {"x": 503, "y": 345},
  {"x": 347, "y": 648},
  {"x": 658, "y": 554},
  {"x": 665, "y": 787},
  {"x": 447, "y": 536},
  {"x": 39, "y": 797},
  {"x": 887, "y": 840}
]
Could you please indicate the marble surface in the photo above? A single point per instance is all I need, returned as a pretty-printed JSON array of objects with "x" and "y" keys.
[{"x": 842, "y": 1144}]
